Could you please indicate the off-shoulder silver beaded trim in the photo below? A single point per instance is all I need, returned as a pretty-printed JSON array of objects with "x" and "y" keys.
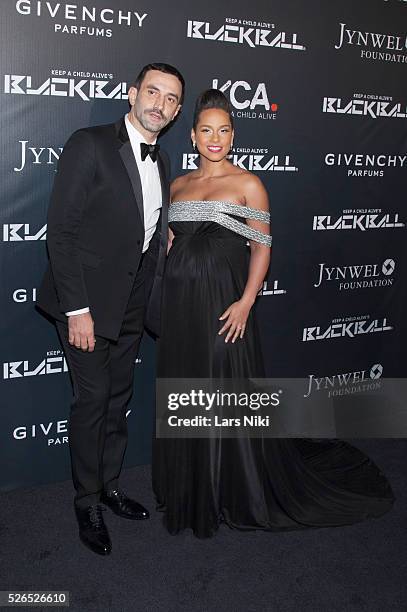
[{"x": 217, "y": 211}]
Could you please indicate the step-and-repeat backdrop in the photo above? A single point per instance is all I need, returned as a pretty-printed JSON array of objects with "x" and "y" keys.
[{"x": 319, "y": 97}]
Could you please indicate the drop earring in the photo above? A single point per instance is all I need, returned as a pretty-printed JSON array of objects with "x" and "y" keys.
[{"x": 194, "y": 146}]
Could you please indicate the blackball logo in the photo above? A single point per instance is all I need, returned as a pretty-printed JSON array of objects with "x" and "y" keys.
[
  {"x": 21, "y": 232},
  {"x": 244, "y": 32},
  {"x": 361, "y": 220},
  {"x": 256, "y": 162},
  {"x": 54, "y": 363},
  {"x": 249, "y": 101},
  {"x": 271, "y": 288},
  {"x": 365, "y": 106},
  {"x": 346, "y": 383},
  {"x": 65, "y": 86},
  {"x": 349, "y": 327},
  {"x": 98, "y": 18},
  {"x": 357, "y": 276}
]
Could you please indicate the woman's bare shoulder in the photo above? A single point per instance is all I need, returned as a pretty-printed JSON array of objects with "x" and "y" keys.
[
  {"x": 179, "y": 180},
  {"x": 255, "y": 194},
  {"x": 250, "y": 180},
  {"x": 178, "y": 184}
]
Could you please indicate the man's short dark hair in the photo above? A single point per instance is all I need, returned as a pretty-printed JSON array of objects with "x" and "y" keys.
[{"x": 167, "y": 68}]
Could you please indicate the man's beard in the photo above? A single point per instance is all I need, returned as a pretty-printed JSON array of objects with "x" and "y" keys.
[{"x": 149, "y": 125}]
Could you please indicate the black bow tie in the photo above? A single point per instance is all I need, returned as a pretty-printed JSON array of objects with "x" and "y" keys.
[{"x": 151, "y": 150}]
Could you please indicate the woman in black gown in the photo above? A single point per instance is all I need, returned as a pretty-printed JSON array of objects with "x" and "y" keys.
[{"x": 208, "y": 331}]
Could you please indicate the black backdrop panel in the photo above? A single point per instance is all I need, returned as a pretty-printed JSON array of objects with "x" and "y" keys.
[{"x": 319, "y": 97}]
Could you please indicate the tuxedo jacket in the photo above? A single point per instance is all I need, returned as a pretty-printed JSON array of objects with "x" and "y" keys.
[{"x": 95, "y": 231}]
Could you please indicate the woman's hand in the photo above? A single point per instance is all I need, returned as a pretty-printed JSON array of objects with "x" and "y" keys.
[
  {"x": 170, "y": 239},
  {"x": 236, "y": 316}
]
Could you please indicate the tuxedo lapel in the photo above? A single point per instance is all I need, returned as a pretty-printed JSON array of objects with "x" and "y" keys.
[
  {"x": 165, "y": 193},
  {"x": 127, "y": 155}
]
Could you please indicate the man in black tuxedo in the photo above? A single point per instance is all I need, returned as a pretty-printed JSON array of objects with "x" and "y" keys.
[{"x": 107, "y": 241}]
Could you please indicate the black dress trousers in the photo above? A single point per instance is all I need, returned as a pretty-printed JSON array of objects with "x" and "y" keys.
[{"x": 103, "y": 384}]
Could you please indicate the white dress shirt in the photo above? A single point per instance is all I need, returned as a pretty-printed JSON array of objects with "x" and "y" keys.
[
  {"x": 151, "y": 188},
  {"x": 150, "y": 183}
]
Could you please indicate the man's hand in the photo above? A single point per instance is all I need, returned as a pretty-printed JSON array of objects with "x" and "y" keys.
[{"x": 81, "y": 331}]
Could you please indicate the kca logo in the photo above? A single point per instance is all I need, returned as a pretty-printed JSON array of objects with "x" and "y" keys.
[
  {"x": 242, "y": 95},
  {"x": 19, "y": 232}
]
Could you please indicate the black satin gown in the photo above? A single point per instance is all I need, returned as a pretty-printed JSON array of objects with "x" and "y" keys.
[{"x": 247, "y": 483}]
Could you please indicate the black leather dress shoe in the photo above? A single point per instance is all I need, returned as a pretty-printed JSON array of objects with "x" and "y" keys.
[
  {"x": 123, "y": 506},
  {"x": 92, "y": 529}
]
